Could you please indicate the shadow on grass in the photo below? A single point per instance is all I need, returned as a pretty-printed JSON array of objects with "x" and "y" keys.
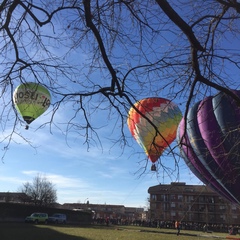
[{"x": 22, "y": 231}]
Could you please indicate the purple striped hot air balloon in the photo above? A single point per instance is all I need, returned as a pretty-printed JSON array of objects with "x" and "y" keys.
[{"x": 209, "y": 141}]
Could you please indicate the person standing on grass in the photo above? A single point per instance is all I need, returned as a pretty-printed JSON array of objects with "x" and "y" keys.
[{"x": 177, "y": 226}]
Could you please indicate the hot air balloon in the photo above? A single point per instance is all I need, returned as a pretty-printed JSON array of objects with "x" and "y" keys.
[
  {"x": 209, "y": 141},
  {"x": 153, "y": 123},
  {"x": 31, "y": 100}
]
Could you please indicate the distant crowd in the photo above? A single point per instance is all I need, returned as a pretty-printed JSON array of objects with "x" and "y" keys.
[
  {"x": 196, "y": 226},
  {"x": 231, "y": 229}
]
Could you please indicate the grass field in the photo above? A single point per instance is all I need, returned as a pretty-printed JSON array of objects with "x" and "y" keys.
[{"x": 22, "y": 231}]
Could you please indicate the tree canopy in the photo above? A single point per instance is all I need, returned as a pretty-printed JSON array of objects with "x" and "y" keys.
[
  {"x": 40, "y": 192},
  {"x": 102, "y": 56}
]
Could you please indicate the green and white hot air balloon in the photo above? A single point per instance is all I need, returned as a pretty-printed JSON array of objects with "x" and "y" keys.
[{"x": 31, "y": 100}]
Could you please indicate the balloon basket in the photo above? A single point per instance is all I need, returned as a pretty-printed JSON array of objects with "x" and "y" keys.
[{"x": 153, "y": 167}]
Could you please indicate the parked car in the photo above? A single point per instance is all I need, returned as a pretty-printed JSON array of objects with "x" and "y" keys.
[
  {"x": 37, "y": 218},
  {"x": 58, "y": 218}
]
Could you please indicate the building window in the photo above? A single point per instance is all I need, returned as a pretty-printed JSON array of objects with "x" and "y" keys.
[
  {"x": 223, "y": 217},
  {"x": 180, "y": 206},
  {"x": 201, "y": 199},
  {"x": 166, "y": 197},
  {"x": 173, "y": 205},
  {"x": 154, "y": 197},
  {"x": 172, "y": 197},
  {"x": 190, "y": 198},
  {"x": 180, "y": 197},
  {"x": 201, "y": 208},
  {"x": 161, "y": 197},
  {"x": 222, "y": 207},
  {"x": 211, "y": 200},
  {"x": 212, "y": 218},
  {"x": 211, "y": 208},
  {"x": 173, "y": 214},
  {"x": 190, "y": 216},
  {"x": 153, "y": 205},
  {"x": 234, "y": 207},
  {"x": 166, "y": 207}
]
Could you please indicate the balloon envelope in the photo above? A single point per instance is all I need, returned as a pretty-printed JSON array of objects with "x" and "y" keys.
[
  {"x": 31, "y": 100},
  {"x": 209, "y": 143},
  {"x": 153, "y": 123}
]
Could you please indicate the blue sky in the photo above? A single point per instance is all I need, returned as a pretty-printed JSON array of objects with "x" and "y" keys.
[{"x": 99, "y": 175}]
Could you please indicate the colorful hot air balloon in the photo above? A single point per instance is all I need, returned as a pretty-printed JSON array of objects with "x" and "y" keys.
[
  {"x": 209, "y": 141},
  {"x": 154, "y": 125},
  {"x": 31, "y": 100}
]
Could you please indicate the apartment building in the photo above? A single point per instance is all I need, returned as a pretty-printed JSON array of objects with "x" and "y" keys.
[{"x": 191, "y": 203}]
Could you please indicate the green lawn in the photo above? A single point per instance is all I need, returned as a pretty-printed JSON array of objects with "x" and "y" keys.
[{"x": 22, "y": 231}]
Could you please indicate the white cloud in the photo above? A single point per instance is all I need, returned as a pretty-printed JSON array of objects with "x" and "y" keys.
[{"x": 59, "y": 180}]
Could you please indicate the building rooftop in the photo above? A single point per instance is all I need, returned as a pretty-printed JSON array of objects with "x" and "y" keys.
[{"x": 180, "y": 187}]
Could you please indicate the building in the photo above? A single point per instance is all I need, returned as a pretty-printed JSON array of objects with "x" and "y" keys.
[
  {"x": 13, "y": 197},
  {"x": 103, "y": 211},
  {"x": 191, "y": 203}
]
